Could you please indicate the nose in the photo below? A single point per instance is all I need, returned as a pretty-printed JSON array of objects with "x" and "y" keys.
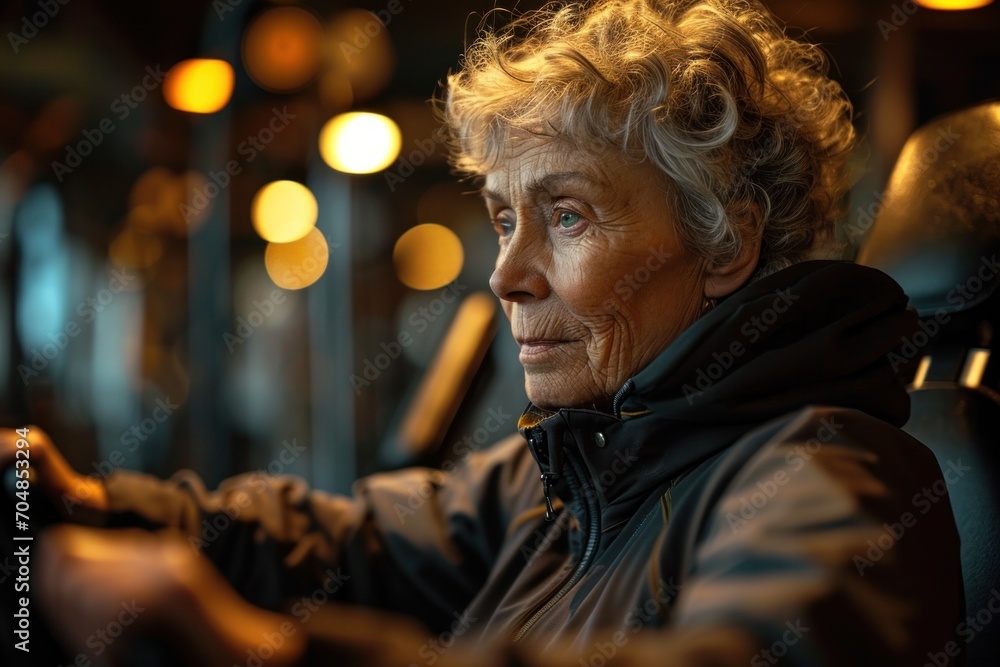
[{"x": 520, "y": 273}]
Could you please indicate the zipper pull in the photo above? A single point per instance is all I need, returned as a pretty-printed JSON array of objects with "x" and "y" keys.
[
  {"x": 548, "y": 479},
  {"x": 549, "y": 456}
]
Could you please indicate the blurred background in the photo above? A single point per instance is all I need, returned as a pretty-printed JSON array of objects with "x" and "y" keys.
[{"x": 229, "y": 238}]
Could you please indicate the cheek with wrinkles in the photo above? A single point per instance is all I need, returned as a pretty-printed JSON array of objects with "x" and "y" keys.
[
  {"x": 598, "y": 288},
  {"x": 609, "y": 324},
  {"x": 613, "y": 342}
]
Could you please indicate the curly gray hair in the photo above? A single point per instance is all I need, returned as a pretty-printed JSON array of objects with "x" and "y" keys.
[{"x": 742, "y": 119}]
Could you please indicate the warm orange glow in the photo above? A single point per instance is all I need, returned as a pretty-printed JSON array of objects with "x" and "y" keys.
[
  {"x": 921, "y": 373},
  {"x": 282, "y": 48},
  {"x": 199, "y": 86},
  {"x": 297, "y": 264},
  {"x": 161, "y": 202},
  {"x": 953, "y": 4},
  {"x": 428, "y": 256},
  {"x": 358, "y": 47},
  {"x": 283, "y": 211},
  {"x": 975, "y": 366},
  {"x": 335, "y": 92},
  {"x": 446, "y": 381},
  {"x": 135, "y": 250},
  {"x": 360, "y": 142},
  {"x": 147, "y": 188}
]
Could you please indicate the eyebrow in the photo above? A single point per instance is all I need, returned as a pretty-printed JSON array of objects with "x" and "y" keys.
[{"x": 548, "y": 183}]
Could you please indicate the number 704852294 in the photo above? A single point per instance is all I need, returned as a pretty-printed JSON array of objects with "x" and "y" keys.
[{"x": 21, "y": 461}]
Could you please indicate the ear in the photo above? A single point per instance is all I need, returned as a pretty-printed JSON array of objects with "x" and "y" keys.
[{"x": 721, "y": 280}]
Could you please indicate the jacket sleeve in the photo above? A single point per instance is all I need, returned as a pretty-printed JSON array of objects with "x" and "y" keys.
[
  {"x": 389, "y": 546},
  {"x": 832, "y": 544}
]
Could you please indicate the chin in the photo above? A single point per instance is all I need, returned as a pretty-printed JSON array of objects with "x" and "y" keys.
[{"x": 550, "y": 395}]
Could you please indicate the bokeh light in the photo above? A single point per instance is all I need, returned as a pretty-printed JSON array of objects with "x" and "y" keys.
[
  {"x": 147, "y": 188},
  {"x": 298, "y": 264},
  {"x": 199, "y": 85},
  {"x": 954, "y": 4},
  {"x": 283, "y": 211},
  {"x": 360, "y": 142},
  {"x": 358, "y": 47},
  {"x": 335, "y": 92},
  {"x": 428, "y": 256},
  {"x": 163, "y": 203},
  {"x": 282, "y": 48},
  {"x": 134, "y": 249}
]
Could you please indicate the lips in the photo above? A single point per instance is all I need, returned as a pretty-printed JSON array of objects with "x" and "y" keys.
[
  {"x": 540, "y": 341},
  {"x": 536, "y": 349}
]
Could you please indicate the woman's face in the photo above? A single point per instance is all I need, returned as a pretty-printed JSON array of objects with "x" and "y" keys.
[{"x": 591, "y": 272}]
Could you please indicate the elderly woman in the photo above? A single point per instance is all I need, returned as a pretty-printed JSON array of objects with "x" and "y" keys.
[{"x": 713, "y": 418}]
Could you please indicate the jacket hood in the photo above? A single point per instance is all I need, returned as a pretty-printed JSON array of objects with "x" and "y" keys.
[{"x": 815, "y": 333}]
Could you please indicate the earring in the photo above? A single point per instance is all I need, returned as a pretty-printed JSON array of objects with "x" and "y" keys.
[{"x": 707, "y": 305}]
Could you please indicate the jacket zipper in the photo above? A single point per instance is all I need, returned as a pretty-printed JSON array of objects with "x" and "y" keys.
[
  {"x": 548, "y": 479},
  {"x": 575, "y": 481},
  {"x": 550, "y": 459}
]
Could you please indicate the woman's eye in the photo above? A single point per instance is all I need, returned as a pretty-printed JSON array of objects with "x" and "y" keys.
[
  {"x": 569, "y": 219},
  {"x": 503, "y": 226}
]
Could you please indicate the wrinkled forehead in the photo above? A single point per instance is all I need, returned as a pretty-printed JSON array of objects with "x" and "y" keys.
[
  {"x": 531, "y": 165},
  {"x": 528, "y": 160}
]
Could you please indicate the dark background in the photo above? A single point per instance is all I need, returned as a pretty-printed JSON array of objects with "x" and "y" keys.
[{"x": 289, "y": 386}]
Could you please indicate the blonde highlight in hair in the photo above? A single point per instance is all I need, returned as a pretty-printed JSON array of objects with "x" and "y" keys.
[{"x": 743, "y": 120}]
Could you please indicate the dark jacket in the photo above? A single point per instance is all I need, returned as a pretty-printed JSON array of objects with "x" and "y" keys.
[{"x": 751, "y": 500}]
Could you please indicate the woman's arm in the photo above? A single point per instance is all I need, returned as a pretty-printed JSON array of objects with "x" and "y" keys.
[
  {"x": 106, "y": 593},
  {"x": 795, "y": 583},
  {"x": 388, "y": 546}
]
